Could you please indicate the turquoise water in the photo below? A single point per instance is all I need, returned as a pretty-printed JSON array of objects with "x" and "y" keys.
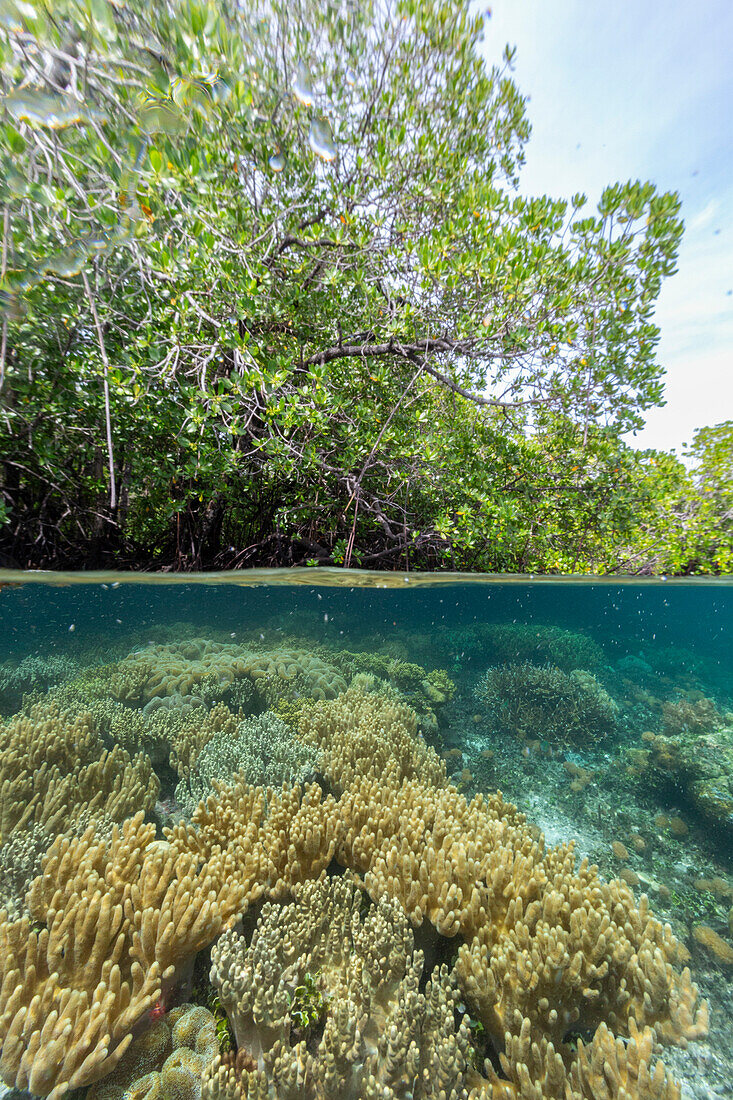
[{"x": 196, "y": 777}]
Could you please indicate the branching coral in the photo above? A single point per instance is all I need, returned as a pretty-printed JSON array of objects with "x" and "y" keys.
[
  {"x": 514, "y": 643},
  {"x": 110, "y": 923},
  {"x": 544, "y": 955},
  {"x": 33, "y": 674},
  {"x": 264, "y": 750},
  {"x": 365, "y": 733},
  {"x": 435, "y": 687},
  {"x": 544, "y": 702},
  {"x": 369, "y": 1032},
  {"x": 54, "y": 768}
]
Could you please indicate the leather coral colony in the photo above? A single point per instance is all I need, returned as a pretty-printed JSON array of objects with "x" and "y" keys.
[{"x": 447, "y": 954}]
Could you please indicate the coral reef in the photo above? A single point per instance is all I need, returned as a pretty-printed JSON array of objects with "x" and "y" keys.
[
  {"x": 21, "y": 857},
  {"x": 368, "y": 733},
  {"x": 166, "y": 1062},
  {"x": 325, "y": 998},
  {"x": 204, "y": 665},
  {"x": 110, "y": 924},
  {"x": 541, "y": 701},
  {"x": 264, "y": 750},
  {"x": 33, "y": 675},
  {"x": 694, "y": 769},
  {"x": 545, "y": 981},
  {"x": 692, "y": 713},
  {"x": 435, "y": 687},
  {"x": 54, "y": 768},
  {"x": 515, "y": 643}
]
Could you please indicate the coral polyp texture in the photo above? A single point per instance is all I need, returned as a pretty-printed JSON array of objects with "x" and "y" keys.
[
  {"x": 543, "y": 702},
  {"x": 375, "y": 935},
  {"x": 326, "y": 1000},
  {"x": 180, "y": 669},
  {"x": 167, "y": 1062},
  {"x": 264, "y": 749},
  {"x": 54, "y": 769}
]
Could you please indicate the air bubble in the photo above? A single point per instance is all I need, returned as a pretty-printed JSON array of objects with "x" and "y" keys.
[
  {"x": 302, "y": 87},
  {"x": 320, "y": 139}
]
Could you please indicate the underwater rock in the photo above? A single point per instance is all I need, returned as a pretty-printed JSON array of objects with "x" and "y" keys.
[{"x": 694, "y": 769}]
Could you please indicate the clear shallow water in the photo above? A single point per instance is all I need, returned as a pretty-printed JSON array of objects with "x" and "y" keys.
[{"x": 602, "y": 709}]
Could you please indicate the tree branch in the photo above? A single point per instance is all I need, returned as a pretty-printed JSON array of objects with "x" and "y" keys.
[{"x": 107, "y": 416}]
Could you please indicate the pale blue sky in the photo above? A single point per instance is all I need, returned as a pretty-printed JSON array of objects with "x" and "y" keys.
[{"x": 631, "y": 89}]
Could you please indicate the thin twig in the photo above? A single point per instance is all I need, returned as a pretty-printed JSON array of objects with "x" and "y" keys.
[{"x": 107, "y": 416}]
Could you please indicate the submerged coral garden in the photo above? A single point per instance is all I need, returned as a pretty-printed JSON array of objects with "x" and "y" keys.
[{"x": 267, "y": 831}]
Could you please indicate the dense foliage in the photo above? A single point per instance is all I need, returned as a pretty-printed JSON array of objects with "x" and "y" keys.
[{"x": 271, "y": 296}]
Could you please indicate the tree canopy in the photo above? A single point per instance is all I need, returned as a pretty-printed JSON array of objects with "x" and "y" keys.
[{"x": 271, "y": 296}]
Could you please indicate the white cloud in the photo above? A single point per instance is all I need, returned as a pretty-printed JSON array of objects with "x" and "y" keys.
[{"x": 625, "y": 91}]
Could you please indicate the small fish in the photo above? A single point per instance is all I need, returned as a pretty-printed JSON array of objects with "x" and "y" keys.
[{"x": 72, "y": 628}]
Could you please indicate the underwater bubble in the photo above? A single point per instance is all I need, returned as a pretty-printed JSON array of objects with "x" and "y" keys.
[
  {"x": 162, "y": 116},
  {"x": 350, "y": 77},
  {"x": 54, "y": 112},
  {"x": 66, "y": 264},
  {"x": 320, "y": 139},
  {"x": 302, "y": 87},
  {"x": 17, "y": 184},
  {"x": 277, "y": 161},
  {"x": 11, "y": 15}
]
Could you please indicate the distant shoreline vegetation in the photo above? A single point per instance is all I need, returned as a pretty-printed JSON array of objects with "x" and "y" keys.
[{"x": 269, "y": 297}]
